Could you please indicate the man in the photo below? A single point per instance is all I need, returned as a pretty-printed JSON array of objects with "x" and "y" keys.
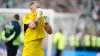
[
  {"x": 34, "y": 26},
  {"x": 95, "y": 10},
  {"x": 97, "y": 23},
  {"x": 59, "y": 41},
  {"x": 10, "y": 35}
]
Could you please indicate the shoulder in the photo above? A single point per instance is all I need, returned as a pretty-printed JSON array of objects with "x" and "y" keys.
[
  {"x": 10, "y": 25},
  {"x": 13, "y": 22},
  {"x": 25, "y": 19},
  {"x": 25, "y": 15}
]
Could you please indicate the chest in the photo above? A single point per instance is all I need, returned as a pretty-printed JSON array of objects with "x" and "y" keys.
[{"x": 31, "y": 17}]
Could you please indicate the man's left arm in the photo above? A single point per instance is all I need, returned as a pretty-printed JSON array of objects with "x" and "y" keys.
[{"x": 48, "y": 28}]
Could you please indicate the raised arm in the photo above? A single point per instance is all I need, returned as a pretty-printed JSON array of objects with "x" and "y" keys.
[{"x": 48, "y": 28}]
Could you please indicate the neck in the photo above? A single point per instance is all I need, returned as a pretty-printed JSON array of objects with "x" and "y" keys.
[
  {"x": 15, "y": 20},
  {"x": 33, "y": 11}
]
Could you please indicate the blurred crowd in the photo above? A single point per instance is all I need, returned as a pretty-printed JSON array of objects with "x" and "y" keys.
[
  {"x": 57, "y": 5},
  {"x": 87, "y": 36},
  {"x": 88, "y": 29}
]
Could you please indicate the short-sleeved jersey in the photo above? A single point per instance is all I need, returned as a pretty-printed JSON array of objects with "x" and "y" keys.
[{"x": 33, "y": 34}]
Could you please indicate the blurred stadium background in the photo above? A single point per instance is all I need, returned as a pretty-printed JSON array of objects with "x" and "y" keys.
[{"x": 74, "y": 17}]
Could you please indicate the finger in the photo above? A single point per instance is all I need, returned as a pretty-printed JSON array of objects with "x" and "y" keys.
[{"x": 30, "y": 25}]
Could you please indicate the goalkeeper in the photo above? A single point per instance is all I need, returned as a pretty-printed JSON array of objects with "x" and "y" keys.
[{"x": 34, "y": 27}]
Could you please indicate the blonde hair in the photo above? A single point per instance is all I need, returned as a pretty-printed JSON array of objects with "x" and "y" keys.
[{"x": 33, "y": 2}]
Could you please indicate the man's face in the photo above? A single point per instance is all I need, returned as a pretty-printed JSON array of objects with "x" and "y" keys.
[{"x": 35, "y": 6}]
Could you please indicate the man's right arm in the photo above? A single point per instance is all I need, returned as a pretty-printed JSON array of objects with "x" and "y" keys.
[{"x": 29, "y": 23}]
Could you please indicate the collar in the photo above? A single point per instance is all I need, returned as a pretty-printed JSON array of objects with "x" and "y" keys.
[
  {"x": 15, "y": 20},
  {"x": 34, "y": 13}
]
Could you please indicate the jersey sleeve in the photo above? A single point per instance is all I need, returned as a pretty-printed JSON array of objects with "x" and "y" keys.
[
  {"x": 11, "y": 37},
  {"x": 3, "y": 35},
  {"x": 43, "y": 19},
  {"x": 4, "y": 38},
  {"x": 25, "y": 19}
]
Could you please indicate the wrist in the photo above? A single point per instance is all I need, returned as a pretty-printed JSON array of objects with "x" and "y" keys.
[
  {"x": 46, "y": 23},
  {"x": 37, "y": 19},
  {"x": 36, "y": 23}
]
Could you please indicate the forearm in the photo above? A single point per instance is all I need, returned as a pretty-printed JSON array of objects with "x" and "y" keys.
[
  {"x": 34, "y": 24},
  {"x": 48, "y": 28},
  {"x": 11, "y": 37},
  {"x": 3, "y": 35}
]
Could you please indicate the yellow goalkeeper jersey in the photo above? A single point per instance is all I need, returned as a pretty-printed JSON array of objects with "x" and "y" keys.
[{"x": 33, "y": 34}]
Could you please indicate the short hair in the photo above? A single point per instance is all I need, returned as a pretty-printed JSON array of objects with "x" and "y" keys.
[
  {"x": 16, "y": 16},
  {"x": 33, "y": 2}
]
